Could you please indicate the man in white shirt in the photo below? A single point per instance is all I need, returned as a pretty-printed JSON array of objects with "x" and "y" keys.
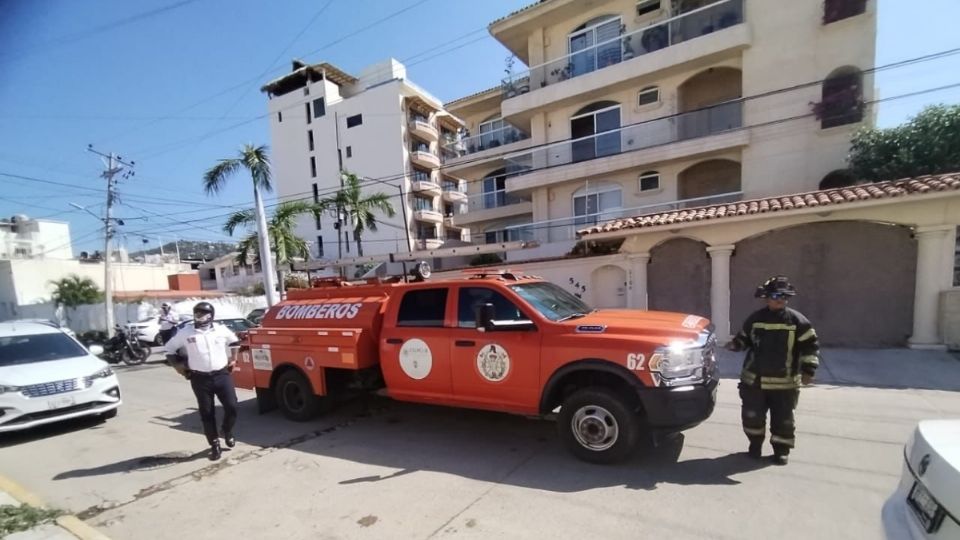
[
  {"x": 169, "y": 318},
  {"x": 200, "y": 352}
]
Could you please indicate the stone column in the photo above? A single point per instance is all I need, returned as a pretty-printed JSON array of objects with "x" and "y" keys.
[
  {"x": 720, "y": 290},
  {"x": 637, "y": 295},
  {"x": 930, "y": 277}
]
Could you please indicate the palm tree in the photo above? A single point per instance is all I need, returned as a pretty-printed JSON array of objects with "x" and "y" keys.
[
  {"x": 358, "y": 208},
  {"x": 255, "y": 160},
  {"x": 285, "y": 245},
  {"x": 73, "y": 291}
]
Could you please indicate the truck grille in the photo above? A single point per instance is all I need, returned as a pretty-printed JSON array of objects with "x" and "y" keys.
[{"x": 55, "y": 387}]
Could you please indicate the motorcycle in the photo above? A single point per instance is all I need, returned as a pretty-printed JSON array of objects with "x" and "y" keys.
[{"x": 124, "y": 347}]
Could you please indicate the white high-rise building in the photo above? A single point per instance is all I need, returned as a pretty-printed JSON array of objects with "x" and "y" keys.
[
  {"x": 382, "y": 128},
  {"x": 24, "y": 238}
]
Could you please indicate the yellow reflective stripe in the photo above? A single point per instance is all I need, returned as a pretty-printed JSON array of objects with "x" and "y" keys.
[
  {"x": 755, "y": 431},
  {"x": 789, "y": 363},
  {"x": 811, "y": 333},
  {"x": 778, "y": 380},
  {"x": 778, "y": 386},
  {"x": 810, "y": 359},
  {"x": 775, "y": 326},
  {"x": 781, "y": 440},
  {"x": 748, "y": 377}
]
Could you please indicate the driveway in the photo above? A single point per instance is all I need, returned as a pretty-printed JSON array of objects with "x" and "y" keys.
[{"x": 381, "y": 469}]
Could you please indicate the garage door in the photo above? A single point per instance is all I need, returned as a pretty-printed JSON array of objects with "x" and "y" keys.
[
  {"x": 855, "y": 280},
  {"x": 678, "y": 278}
]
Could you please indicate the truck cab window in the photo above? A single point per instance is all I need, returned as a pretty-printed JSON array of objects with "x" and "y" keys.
[
  {"x": 423, "y": 307},
  {"x": 471, "y": 297}
]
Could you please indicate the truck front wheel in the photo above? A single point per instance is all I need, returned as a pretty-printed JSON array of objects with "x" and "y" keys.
[
  {"x": 295, "y": 397},
  {"x": 597, "y": 425}
]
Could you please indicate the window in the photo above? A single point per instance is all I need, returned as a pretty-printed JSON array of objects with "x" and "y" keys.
[
  {"x": 355, "y": 120},
  {"x": 320, "y": 246},
  {"x": 310, "y": 140},
  {"x": 418, "y": 146},
  {"x": 551, "y": 301},
  {"x": 420, "y": 203},
  {"x": 306, "y": 90},
  {"x": 648, "y": 96},
  {"x": 447, "y": 209},
  {"x": 595, "y": 204},
  {"x": 424, "y": 307},
  {"x": 836, "y": 10},
  {"x": 588, "y": 129},
  {"x": 309, "y": 117},
  {"x": 279, "y": 116},
  {"x": 647, "y": 6},
  {"x": 593, "y": 46},
  {"x": 212, "y": 273},
  {"x": 650, "y": 181},
  {"x": 425, "y": 231},
  {"x": 471, "y": 298},
  {"x": 349, "y": 151},
  {"x": 490, "y": 133},
  {"x": 27, "y": 349},
  {"x": 420, "y": 176},
  {"x": 313, "y": 167},
  {"x": 316, "y": 199},
  {"x": 842, "y": 98},
  {"x": 319, "y": 108}
]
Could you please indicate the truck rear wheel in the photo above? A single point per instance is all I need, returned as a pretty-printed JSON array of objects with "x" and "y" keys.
[
  {"x": 597, "y": 425},
  {"x": 295, "y": 397}
]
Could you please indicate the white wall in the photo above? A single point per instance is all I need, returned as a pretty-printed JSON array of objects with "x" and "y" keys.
[{"x": 41, "y": 238}]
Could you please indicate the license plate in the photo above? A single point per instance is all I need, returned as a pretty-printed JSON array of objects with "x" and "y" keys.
[
  {"x": 61, "y": 402},
  {"x": 928, "y": 511}
]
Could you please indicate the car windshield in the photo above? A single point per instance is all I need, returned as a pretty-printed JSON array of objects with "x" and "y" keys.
[
  {"x": 237, "y": 325},
  {"x": 552, "y": 301},
  {"x": 17, "y": 350}
]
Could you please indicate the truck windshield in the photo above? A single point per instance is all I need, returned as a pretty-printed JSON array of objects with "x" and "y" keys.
[{"x": 551, "y": 301}]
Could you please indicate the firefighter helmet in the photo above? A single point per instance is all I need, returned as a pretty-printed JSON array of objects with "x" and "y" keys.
[{"x": 774, "y": 287}]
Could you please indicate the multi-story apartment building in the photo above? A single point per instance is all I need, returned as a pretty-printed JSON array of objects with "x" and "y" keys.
[
  {"x": 631, "y": 107},
  {"x": 381, "y": 127},
  {"x": 24, "y": 238}
]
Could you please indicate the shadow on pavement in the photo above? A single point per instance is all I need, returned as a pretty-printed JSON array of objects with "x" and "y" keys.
[
  {"x": 143, "y": 463},
  {"x": 479, "y": 445}
]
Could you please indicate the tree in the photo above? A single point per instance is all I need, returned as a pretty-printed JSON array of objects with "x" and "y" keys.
[
  {"x": 285, "y": 245},
  {"x": 255, "y": 160},
  {"x": 928, "y": 143},
  {"x": 73, "y": 291},
  {"x": 358, "y": 208}
]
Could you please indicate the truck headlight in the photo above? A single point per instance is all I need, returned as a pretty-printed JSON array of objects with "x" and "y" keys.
[{"x": 680, "y": 363}]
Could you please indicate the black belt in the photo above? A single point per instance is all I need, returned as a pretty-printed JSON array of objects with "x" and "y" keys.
[{"x": 209, "y": 373}]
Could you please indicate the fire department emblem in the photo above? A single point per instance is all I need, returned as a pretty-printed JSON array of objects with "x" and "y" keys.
[
  {"x": 416, "y": 360},
  {"x": 493, "y": 362}
]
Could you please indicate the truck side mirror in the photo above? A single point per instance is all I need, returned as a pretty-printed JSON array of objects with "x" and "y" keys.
[{"x": 484, "y": 316}]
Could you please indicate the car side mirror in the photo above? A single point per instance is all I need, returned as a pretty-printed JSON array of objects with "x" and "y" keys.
[
  {"x": 484, "y": 316},
  {"x": 95, "y": 350}
]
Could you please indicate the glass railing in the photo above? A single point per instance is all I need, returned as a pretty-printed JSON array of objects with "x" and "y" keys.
[
  {"x": 454, "y": 187},
  {"x": 420, "y": 176},
  {"x": 683, "y": 27},
  {"x": 561, "y": 229},
  {"x": 516, "y": 233},
  {"x": 690, "y": 125},
  {"x": 486, "y": 140},
  {"x": 494, "y": 199}
]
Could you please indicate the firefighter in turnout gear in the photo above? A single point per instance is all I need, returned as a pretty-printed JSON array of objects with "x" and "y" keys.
[{"x": 782, "y": 354}]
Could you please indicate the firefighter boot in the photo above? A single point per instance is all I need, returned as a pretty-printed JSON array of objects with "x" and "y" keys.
[
  {"x": 756, "y": 449},
  {"x": 215, "y": 451}
]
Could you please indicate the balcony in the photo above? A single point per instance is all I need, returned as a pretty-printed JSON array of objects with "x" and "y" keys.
[
  {"x": 427, "y": 243},
  {"x": 558, "y": 236},
  {"x": 426, "y": 187},
  {"x": 668, "y": 43},
  {"x": 487, "y": 140},
  {"x": 424, "y": 158},
  {"x": 454, "y": 192},
  {"x": 421, "y": 128},
  {"x": 493, "y": 205},
  {"x": 428, "y": 215},
  {"x": 709, "y": 129}
]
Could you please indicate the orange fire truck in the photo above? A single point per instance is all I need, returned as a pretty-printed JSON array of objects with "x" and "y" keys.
[{"x": 493, "y": 340}]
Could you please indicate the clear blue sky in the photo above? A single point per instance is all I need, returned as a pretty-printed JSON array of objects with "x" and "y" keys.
[{"x": 121, "y": 75}]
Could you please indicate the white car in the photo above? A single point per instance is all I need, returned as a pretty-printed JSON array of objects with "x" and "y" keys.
[
  {"x": 47, "y": 376},
  {"x": 926, "y": 504},
  {"x": 148, "y": 330}
]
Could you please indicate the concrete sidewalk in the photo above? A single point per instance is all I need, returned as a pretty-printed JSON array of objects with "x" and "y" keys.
[{"x": 61, "y": 527}]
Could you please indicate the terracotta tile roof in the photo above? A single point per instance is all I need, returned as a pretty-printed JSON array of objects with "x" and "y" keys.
[
  {"x": 454, "y": 102},
  {"x": 825, "y": 197},
  {"x": 517, "y": 12}
]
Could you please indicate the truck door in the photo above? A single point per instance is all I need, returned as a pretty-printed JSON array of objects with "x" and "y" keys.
[
  {"x": 415, "y": 346},
  {"x": 494, "y": 369}
]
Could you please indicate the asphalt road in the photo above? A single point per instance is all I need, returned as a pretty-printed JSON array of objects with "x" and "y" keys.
[{"x": 381, "y": 469}]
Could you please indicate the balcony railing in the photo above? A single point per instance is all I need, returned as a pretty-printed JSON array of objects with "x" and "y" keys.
[
  {"x": 680, "y": 127},
  {"x": 683, "y": 27},
  {"x": 486, "y": 140},
  {"x": 494, "y": 199},
  {"x": 454, "y": 187},
  {"x": 562, "y": 229}
]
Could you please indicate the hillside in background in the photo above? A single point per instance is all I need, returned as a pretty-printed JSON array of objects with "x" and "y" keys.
[{"x": 190, "y": 250}]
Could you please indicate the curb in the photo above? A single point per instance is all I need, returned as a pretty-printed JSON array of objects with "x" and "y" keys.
[{"x": 69, "y": 522}]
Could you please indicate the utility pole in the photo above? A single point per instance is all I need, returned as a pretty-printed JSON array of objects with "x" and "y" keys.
[{"x": 114, "y": 165}]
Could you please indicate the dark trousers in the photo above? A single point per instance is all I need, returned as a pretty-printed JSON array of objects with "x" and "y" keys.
[
  {"x": 165, "y": 335},
  {"x": 207, "y": 385},
  {"x": 754, "y": 406}
]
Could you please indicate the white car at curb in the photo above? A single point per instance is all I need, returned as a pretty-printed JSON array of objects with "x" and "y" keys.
[
  {"x": 47, "y": 376},
  {"x": 926, "y": 504}
]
